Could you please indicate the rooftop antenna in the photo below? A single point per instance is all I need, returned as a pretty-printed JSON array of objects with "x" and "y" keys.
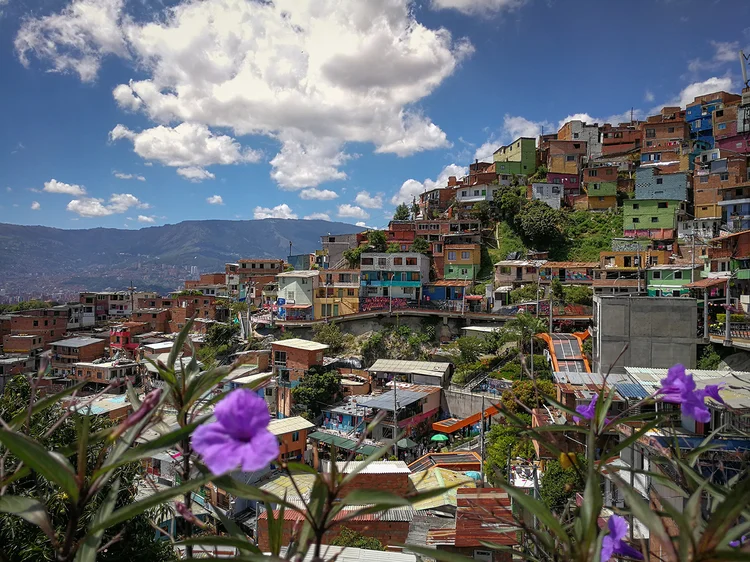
[{"x": 743, "y": 64}]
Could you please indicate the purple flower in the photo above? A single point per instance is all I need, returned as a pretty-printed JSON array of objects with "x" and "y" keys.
[
  {"x": 740, "y": 541},
  {"x": 679, "y": 388},
  {"x": 587, "y": 411},
  {"x": 613, "y": 543},
  {"x": 239, "y": 437}
]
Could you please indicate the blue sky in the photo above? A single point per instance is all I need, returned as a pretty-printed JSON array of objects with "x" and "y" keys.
[{"x": 136, "y": 113}]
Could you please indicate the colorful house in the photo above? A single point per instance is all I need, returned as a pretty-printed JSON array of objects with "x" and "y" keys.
[
  {"x": 292, "y": 435},
  {"x": 671, "y": 280},
  {"x": 651, "y": 218},
  {"x": 568, "y": 272},
  {"x": 385, "y": 278},
  {"x": 519, "y": 157},
  {"x": 462, "y": 261},
  {"x": 517, "y": 272},
  {"x": 292, "y": 359},
  {"x": 600, "y": 184},
  {"x": 337, "y": 293},
  {"x": 297, "y": 289}
]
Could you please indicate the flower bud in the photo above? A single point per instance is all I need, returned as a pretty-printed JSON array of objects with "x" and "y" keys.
[
  {"x": 188, "y": 515},
  {"x": 149, "y": 403}
]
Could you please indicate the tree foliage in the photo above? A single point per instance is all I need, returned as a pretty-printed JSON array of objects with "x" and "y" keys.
[
  {"x": 398, "y": 343},
  {"x": 559, "y": 484},
  {"x": 469, "y": 348},
  {"x": 420, "y": 245},
  {"x": 506, "y": 203},
  {"x": 402, "y": 213},
  {"x": 25, "y": 305},
  {"x": 539, "y": 224},
  {"x": 377, "y": 240},
  {"x": 393, "y": 248},
  {"x": 330, "y": 335},
  {"x": 482, "y": 212},
  {"x": 709, "y": 359},
  {"x": 353, "y": 255},
  {"x": 529, "y": 393},
  {"x": 317, "y": 389},
  {"x": 353, "y": 539},
  {"x": 504, "y": 441}
]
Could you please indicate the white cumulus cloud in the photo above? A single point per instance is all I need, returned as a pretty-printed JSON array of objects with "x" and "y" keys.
[
  {"x": 368, "y": 201},
  {"x": 282, "y": 211},
  {"x": 35, "y": 206},
  {"x": 477, "y": 6},
  {"x": 691, "y": 91},
  {"x": 360, "y": 223},
  {"x": 96, "y": 207},
  {"x": 146, "y": 218},
  {"x": 195, "y": 174},
  {"x": 352, "y": 211},
  {"x": 411, "y": 188},
  {"x": 54, "y": 186},
  {"x": 318, "y": 217},
  {"x": 313, "y": 76},
  {"x": 319, "y": 194},
  {"x": 123, "y": 176},
  {"x": 215, "y": 200}
]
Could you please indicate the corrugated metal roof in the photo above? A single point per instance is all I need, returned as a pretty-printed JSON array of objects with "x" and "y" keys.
[
  {"x": 406, "y": 367},
  {"x": 377, "y": 467},
  {"x": 387, "y": 402},
  {"x": 77, "y": 342},
  {"x": 402, "y": 513},
  {"x": 351, "y": 554},
  {"x": 484, "y": 515},
  {"x": 434, "y": 478},
  {"x": 298, "y": 343},
  {"x": 288, "y": 425}
]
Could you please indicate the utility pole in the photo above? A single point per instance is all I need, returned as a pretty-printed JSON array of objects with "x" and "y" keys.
[
  {"x": 390, "y": 295},
  {"x": 550, "y": 311},
  {"x": 463, "y": 299},
  {"x": 728, "y": 316},
  {"x": 692, "y": 257},
  {"x": 705, "y": 314},
  {"x": 395, "y": 419},
  {"x": 481, "y": 444}
]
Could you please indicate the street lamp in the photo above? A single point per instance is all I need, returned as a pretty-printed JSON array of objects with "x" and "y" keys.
[{"x": 390, "y": 294}]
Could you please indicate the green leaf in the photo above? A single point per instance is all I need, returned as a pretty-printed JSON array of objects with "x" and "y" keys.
[
  {"x": 45, "y": 402},
  {"x": 179, "y": 342},
  {"x": 537, "y": 508},
  {"x": 725, "y": 515},
  {"x": 29, "y": 510},
  {"x": 237, "y": 533},
  {"x": 88, "y": 549},
  {"x": 245, "y": 491},
  {"x": 135, "y": 402},
  {"x": 299, "y": 467},
  {"x": 163, "y": 496},
  {"x": 40, "y": 460},
  {"x": 636, "y": 435}
]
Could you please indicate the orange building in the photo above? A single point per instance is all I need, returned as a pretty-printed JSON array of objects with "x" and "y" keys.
[
  {"x": 292, "y": 434},
  {"x": 292, "y": 359},
  {"x": 23, "y": 343}
]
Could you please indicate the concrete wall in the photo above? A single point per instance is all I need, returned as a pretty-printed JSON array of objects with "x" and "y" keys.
[
  {"x": 673, "y": 186},
  {"x": 660, "y": 332},
  {"x": 462, "y": 404}
]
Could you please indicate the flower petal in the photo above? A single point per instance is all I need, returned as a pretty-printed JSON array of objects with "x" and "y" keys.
[
  {"x": 712, "y": 391},
  {"x": 608, "y": 548},
  {"x": 624, "y": 549},
  {"x": 618, "y": 527},
  {"x": 242, "y": 412},
  {"x": 260, "y": 452},
  {"x": 220, "y": 452}
]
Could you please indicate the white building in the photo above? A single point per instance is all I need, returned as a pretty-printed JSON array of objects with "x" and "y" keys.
[
  {"x": 550, "y": 193},
  {"x": 398, "y": 275},
  {"x": 475, "y": 193},
  {"x": 297, "y": 288}
]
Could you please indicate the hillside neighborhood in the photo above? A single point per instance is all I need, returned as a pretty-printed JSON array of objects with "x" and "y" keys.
[{"x": 589, "y": 260}]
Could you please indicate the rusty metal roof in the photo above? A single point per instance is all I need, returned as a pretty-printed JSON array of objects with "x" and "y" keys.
[
  {"x": 484, "y": 515},
  {"x": 403, "y": 514}
]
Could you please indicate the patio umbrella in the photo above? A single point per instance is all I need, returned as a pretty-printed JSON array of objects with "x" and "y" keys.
[
  {"x": 406, "y": 443},
  {"x": 439, "y": 437}
]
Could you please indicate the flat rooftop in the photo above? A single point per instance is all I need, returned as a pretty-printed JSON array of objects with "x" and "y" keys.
[
  {"x": 77, "y": 342},
  {"x": 288, "y": 425},
  {"x": 407, "y": 367},
  {"x": 298, "y": 343}
]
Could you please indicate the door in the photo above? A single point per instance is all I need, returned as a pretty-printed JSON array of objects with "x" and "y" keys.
[{"x": 385, "y": 291}]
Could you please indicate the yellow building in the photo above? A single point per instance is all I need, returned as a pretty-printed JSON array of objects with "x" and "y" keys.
[
  {"x": 337, "y": 293},
  {"x": 462, "y": 261}
]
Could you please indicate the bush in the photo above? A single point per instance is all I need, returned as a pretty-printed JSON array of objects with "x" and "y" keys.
[
  {"x": 722, "y": 318},
  {"x": 559, "y": 484},
  {"x": 330, "y": 335},
  {"x": 525, "y": 293},
  {"x": 709, "y": 359}
]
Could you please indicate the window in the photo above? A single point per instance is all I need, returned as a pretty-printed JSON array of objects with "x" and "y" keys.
[
  {"x": 463, "y": 193},
  {"x": 304, "y": 281},
  {"x": 570, "y": 158},
  {"x": 650, "y": 133},
  {"x": 657, "y": 293},
  {"x": 366, "y": 261},
  {"x": 465, "y": 255},
  {"x": 398, "y": 261},
  {"x": 678, "y": 274},
  {"x": 36, "y": 322},
  {"x": 382, "y": 261},
  {"x": 573, "y": 180},
  {"x": 411, "y": 261},
  {"x": 476, "y": 193},
  {"x": 649, "y": 143},
  {"x": 671, "y": 129},
  {"x": 289, "y": 295},
  {"x": 654, "y": 219},
  {"x": 464, "y": 271},
  {"x": 724, "y": 176},
  {"x": 737, "y": 192},
  {"x": 350, "y": 292},
  {"x": 438, "y": 248},
  {"x": 484, "y": 192},
  {"x": 636, "y": 220},
  {"x": 704, "y": 179},
  {"x": 722, "y": 126},
  {"x": 601, "y": 198},
  {"x": 593, "y": 173},
  {"x": 662, "y": 204},
  {"x": 656, "y": 274},
  {"x": 659, "y": 181},
  {"x": 575, "y": 135},
  {"x": 636, "y": 206},
  {"x": 295, "y": 436},
  {"x": 451, "y": 256}
]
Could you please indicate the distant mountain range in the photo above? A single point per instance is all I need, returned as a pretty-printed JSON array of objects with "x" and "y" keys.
[{"x": 100, "y": 258}]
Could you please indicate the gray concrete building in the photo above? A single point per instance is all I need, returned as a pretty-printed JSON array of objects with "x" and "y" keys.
[
  {"x": 335, "y": 245},
  {"x": 659, "y": 331}
]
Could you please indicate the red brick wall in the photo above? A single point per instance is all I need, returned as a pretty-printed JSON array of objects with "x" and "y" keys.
[
  {"x": 394, "y": 483},
  {"x": 298, "y": 360},
  {"x": 158, "y": 324},
  {"x": 50, "y": 328},
  {"x": 22, "y": 344},
  {"x": 387, "y": 532}
]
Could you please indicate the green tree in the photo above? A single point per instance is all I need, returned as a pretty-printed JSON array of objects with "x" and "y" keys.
[
  {"x": 402, "y": 213},
  {"x": 506, "y": 203},
  {"x": 23, "y": 542},
  {"x": 557, "y": 291},
  {"x": 420, "y": 246},
  {"x": 531, "y": 394},
  {"x": 709, "y": 359},
  {"x": 377, "y": 240},
  {"x": 222, "y": 335},
  {"x": 353, "y": 539},
  {"x": 470, "y": 348},
  {"x": 579, "y": 294},
  {"x": 238, "y": 308},
  {"x": 505, "y": 441},
  {"x": 414, "y": 209},
  {"x": 522, "y": 328},
  {"x": 482, "y": 212},
  {"x": 539, "y": 224},
  {"x": 317, "y": 389},
  {"x": 352, "y": 256},
  {"x": 25, "y": 305},
  {"x": 558, "y": 484},
  {"x": 330, "y": 335},
  {"x": 393, "y": 248},
  {"x": 525, "y": 293}
]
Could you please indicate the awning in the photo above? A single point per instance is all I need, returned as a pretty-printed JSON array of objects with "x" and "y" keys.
[
  {"x": 707, "y": 283},
  {"x": 297, "y": 306},
  {"x": 474, "y": 297},
  {"x": 342, "y": 443}
]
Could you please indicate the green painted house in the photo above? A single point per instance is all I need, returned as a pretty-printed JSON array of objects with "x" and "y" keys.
[
  {"x": 670, "y": 280},
  {"x": 650, "y": 215},
  {"x": 519, "y": 157}
]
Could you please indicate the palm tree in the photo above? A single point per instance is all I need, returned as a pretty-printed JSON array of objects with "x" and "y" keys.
[{"x": 523, "y": 328}]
